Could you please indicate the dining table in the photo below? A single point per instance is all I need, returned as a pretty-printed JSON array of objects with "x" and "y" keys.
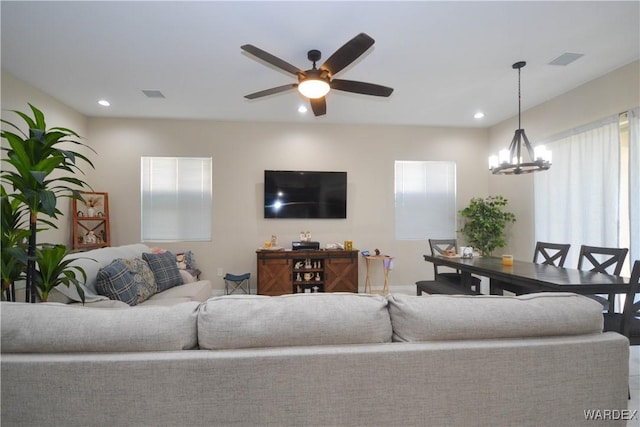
[{"x": 532, "y": 276}]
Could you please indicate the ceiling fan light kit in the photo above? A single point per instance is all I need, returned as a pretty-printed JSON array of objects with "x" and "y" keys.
[
  {"x": 316, "y": 83},
  {"x": 313, "y": 88},
  {"x": 510, "y": 161}
]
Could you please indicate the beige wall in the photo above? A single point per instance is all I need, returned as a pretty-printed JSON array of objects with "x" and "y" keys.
[
  {"x": 613, "y": 93},
  {"x": 242, "y": 151}
]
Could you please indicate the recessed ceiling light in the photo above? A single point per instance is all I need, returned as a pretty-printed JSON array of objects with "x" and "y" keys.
[
  {"x": 104, "y": 103},
  {"x": 302, "y": 109},
  {"x": 478, "y": 115}
]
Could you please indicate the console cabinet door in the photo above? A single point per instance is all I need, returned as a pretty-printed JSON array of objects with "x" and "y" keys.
[
  {"x": 274, "y": 276},
  {"x": 341, "y": 274}
]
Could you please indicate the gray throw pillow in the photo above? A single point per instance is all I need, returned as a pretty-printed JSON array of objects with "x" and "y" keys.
[
  {"x": 143, "y": 276},
  {"x": 164, "y": 268},
  {"x": 116, "y": 282}
]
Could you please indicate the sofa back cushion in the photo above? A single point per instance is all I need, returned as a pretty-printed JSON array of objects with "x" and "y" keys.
[
  {"x": 251, "y": 321},
  {"x": 64, "y": 328},
  {"x": 463, "y": 317}
]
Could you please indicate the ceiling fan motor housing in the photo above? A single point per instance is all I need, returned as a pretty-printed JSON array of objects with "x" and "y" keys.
[{"x": 314, "y": 56}]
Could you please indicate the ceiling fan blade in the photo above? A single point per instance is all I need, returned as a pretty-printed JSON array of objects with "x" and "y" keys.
[
  {"x": 348, "y": 53},
  {"x": 273, "y": 60},
  {"x": 271, "y": 91},
  {"x": 319, "y": 106},
  {"x": 361, "y": 87}
]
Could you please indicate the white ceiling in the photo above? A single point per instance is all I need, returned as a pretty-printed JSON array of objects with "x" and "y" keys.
[{"x": 445, "y": 60}]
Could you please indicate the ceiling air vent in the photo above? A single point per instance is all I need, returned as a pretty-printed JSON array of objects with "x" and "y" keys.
[
  {"x": 153, "y": 94},
  {"x": 566, "y": 58}
]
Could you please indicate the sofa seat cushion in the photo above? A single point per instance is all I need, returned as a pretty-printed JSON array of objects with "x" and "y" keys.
[
  {"x": 71, "y": 328},
  {"x": 463, "y": 317},
  {"x": 195, "y": 291},
  {"x": 253, "y": 321}
]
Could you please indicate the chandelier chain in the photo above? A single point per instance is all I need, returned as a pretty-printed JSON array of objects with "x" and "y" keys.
[{"x": 519, "y": 102}]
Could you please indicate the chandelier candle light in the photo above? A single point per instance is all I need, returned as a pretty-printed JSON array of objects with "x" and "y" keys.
[{"x": 510, "y": 161}]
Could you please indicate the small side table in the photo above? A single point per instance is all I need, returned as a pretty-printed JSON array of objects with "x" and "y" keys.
[{"x": 386, "y": 266}]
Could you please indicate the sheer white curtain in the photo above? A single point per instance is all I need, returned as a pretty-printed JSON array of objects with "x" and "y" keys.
[
  {"x": 577, "y": 200},
  {"x": 634, "y": 184}
]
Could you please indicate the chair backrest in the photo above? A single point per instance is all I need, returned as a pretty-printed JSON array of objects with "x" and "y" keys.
[
  {"x": 632, "y": 303},
  {"x": 602, "y": 260},
  {"x": 438, "y": 246},
  {"x": 553, "y": 253}
]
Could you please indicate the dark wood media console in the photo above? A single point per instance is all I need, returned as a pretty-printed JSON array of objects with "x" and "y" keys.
[{"x": 286, "y": 272}]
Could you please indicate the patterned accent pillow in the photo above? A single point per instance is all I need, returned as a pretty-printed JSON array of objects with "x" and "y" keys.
[
  {"x": 116, "y": 282},
  {"x": 189, "y": 258},
  {"x": 164, "y": 269},
  {"x": 185, "y": 260},
  {"x": 143, "y": 276}
]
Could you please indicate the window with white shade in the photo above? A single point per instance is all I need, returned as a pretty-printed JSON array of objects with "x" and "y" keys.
[
  {"x": 176, "y": 198},
  {"x": 425, "y": 200}
]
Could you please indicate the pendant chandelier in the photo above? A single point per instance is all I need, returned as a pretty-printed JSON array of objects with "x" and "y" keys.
[{"x": 510, "y": 161}]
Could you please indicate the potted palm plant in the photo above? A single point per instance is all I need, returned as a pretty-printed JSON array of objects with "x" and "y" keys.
[
  {"x": 53, "y": 270},
  {"x": 13, "y": 238},
  {"x": 42, "y": 168},
  {"x": 484, "y": 223}
]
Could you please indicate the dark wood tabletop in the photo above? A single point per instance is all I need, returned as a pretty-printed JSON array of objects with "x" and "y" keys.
[{"x": 544, "y": 277}]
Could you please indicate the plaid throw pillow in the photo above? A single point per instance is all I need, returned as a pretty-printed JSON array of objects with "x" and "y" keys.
[
  {"x": 164, "y": 269},
  {"x": 116, "y": 282}
]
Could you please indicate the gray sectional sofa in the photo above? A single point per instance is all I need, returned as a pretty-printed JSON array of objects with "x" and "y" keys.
[{"x": 314, "y": 359}]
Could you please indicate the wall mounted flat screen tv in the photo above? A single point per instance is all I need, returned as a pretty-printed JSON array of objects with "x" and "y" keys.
[{"x": 305, "y": 194}]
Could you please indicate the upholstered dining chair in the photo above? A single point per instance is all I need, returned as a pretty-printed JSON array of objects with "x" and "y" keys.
[
  {"x": 446, "y": 282},
  {"x": 602, "y": 260},
  {"x": 628, "y": 322}
]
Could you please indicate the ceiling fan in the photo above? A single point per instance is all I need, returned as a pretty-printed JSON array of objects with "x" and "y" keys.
[{"x": 316, "y": 82}]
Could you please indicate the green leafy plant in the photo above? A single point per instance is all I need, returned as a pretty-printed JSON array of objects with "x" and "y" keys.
[
  {"x": 484, "y": 223},
  {"x": 54, "y": 270},
  {"x": 42, "y": 169},
  {"x": 13, "y": 237}
]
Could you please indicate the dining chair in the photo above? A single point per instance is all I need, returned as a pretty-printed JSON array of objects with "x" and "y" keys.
[
  {"x": 606, "y": 261},
  {"x": 553, "y": 253},
  {"x": 628, "y": 322},
  {"x": 446, "y": 282},
  {"x": 545, "y": 253}
]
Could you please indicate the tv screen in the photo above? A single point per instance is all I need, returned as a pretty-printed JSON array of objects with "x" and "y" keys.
[{"x": 305, "y": 194}]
